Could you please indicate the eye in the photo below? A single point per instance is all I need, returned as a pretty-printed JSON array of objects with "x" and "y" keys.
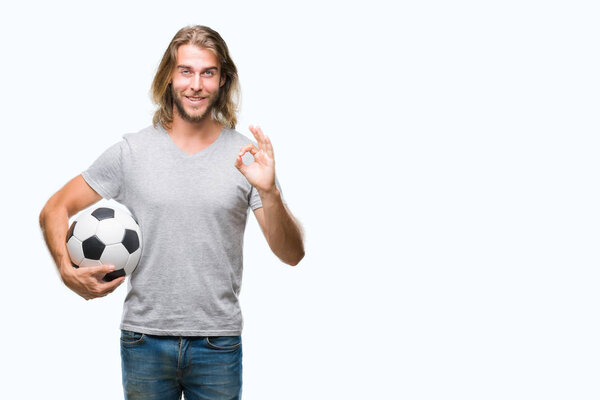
[
  {"x": 209, "y": 73},
  {"x": 185, "y": 71}
]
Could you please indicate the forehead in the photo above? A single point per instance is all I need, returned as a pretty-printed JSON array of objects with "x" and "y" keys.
[{"x": 197, "y": 57}]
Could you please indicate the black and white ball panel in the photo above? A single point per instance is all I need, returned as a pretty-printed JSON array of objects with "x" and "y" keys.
[
  {"x": 90, "y": 263},
  {"x": 115, "y": 254},
  {"x": 128, "y": 221},
  {"x": 105, "y": 236},
  {"x": 71, "y": 229},
  {"x": 86, "y": 227},
  {"x": 92, "y": 248},
  {"x": 110, "y": 231},
  {"x": 114, "y": 275},
  {"x": 75, "y": 249},
  {"x": 131, "y": 240},
  {"x": 103, "y": 213}
]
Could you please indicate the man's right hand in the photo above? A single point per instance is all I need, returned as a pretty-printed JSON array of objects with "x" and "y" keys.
[{"x": 87, "y": 281}]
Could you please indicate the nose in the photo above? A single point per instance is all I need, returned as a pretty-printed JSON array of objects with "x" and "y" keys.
[{"x": 196, "y": 84}]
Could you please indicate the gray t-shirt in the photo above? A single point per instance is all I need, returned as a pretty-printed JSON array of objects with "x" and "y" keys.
[{"x": 192, "y": 211}]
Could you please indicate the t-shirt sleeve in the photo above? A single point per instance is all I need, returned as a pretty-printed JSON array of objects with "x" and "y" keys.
[
  {"x": 105, "y": 175},
  {"x": 254, "y": 197}
]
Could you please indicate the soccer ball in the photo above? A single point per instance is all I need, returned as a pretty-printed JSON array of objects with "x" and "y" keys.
[{"x": 105, "y": 236}]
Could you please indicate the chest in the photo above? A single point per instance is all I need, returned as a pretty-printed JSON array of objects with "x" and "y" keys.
[{"x": 208, "y": 185}]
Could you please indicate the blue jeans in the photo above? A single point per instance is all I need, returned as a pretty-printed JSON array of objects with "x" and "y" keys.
[{"x": 162, "y": 367}]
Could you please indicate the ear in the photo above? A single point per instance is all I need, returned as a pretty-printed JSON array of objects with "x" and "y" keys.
[{"x": 223, "y": 80}]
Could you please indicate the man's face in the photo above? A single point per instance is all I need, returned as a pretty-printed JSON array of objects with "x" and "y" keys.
[{"x": 195, "y": 82}]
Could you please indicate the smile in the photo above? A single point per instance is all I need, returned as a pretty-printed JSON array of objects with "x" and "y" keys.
[{"x": 195, "y": 100}]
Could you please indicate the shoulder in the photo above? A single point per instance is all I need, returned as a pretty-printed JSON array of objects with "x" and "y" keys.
[
  {"x": 148, "y": 133},
  {"x": 146, "y": 139}
]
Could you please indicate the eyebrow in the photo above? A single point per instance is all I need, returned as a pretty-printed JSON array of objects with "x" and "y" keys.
[{"x": 190, "y": 67}]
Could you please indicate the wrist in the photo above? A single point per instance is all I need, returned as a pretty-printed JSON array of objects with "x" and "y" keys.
[
  {"x": 269, "y": 195},
  {"x": 66, "y": 270}
]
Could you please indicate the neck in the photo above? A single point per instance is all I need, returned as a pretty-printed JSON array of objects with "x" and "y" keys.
[{"x": 201, "y": 130}]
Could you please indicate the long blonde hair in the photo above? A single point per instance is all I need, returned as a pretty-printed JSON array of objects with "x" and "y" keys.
[{"x": 226, "y": 105}]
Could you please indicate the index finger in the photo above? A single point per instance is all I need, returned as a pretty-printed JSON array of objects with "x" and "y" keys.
[{"x": 104, "y": 268}]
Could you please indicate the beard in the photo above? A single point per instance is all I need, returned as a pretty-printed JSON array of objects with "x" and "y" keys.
[{"x": 188, "y": 117}]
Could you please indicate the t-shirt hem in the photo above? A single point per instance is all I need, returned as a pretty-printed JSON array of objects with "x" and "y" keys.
[
  {"x": 95, "y": 185},
  {"x": 180, "y": 332},
  {"x": 255, "y": 206}
]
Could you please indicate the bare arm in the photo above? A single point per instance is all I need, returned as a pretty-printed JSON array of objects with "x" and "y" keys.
[
  {"x": 282, "y": 231},
  {"x": 54, "y": 221}
]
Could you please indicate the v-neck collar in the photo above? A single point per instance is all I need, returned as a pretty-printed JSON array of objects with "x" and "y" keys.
[{"x": 177, "y": 150}]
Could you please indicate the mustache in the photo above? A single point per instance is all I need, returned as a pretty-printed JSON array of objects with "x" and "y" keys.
[{"x": 194, "y": 94}]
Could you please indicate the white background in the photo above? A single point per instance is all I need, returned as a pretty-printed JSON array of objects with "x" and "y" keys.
[{"x": 441, "y": 156}]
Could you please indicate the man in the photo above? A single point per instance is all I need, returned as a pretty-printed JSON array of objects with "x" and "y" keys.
[{"x": 185, "y": 181}]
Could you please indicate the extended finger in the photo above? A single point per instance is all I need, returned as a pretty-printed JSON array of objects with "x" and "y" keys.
[
  {"x": 269, "y": 147},
  {"x": 258, "y": 135},
  {"x": 265, "y": 142}
]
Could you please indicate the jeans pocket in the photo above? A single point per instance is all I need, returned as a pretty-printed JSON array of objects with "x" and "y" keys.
[
  {"x": 224, "y": 342},
  {"x": 129, "y": 338}
]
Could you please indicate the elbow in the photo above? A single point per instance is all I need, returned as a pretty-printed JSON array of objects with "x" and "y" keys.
[
  {"x": 47, "y": 210},
  {"x": 42, "y": 217},
  {"x": 296, "y": 260},
  {"x": 299, "y": 254},
  {"x": 50, "y": 208}
]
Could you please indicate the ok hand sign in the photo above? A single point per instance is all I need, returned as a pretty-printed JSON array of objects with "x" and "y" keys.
[{"x": 261, "y": 172}]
